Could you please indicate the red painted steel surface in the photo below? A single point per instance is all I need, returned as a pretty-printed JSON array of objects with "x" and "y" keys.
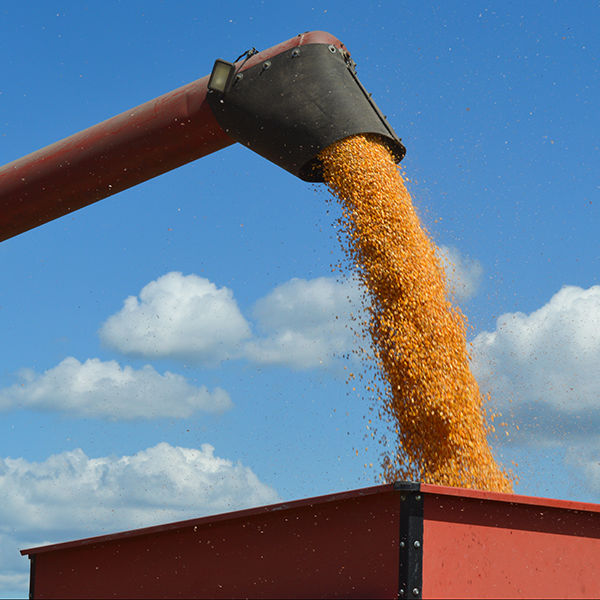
[
  {"x": 123, "y": 151},
  {"x": 341, "y": 546},
  {"x": 110, "y": 157},
  {"x": 485, "y": 545},
  {"x": 475, "y": 545}
]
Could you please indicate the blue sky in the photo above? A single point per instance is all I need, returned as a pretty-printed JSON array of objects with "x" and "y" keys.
[{"x": 243, "y": 399}]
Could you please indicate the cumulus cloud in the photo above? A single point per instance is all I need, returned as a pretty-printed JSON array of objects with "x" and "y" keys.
[
  {"x": 105, "y": 389},
  {"x": 181, "y": 317},
  {"x": 308, "y": 323},
  {"x": 305, "y": 323},
  {"x": 162, "y": 483},
  {"x": 71, "y": 496},
  {"x": 547, "y": 362},
  {"x": 464, "y": 274}
]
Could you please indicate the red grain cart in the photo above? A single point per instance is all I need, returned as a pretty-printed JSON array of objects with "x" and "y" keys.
[{"x": 399, "y": 540}]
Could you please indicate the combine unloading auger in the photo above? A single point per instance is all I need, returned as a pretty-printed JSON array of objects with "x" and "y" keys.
[{"x": 286, "y": 103}]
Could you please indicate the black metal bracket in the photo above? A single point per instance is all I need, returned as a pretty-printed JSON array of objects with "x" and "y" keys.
[
  {"x": 32, "y": 575},
  {"x": 411, "y": 539}
]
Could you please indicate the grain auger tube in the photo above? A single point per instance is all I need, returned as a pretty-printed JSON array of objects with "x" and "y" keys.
[{"x": 286, "y": 103}]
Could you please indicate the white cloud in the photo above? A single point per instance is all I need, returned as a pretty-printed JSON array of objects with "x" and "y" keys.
[
  {"x": 14, "y": 578},
  {"x": 162, "y": 483},
  {"x": 587, "y": 459},
  {"x": 105, "y": 389},
  {"x": 308, "y": 323},
  {"x": 71, "y": 496},
  {"x": 548, "y": 362},
  {"x": 463, "y": 273},
  {"x": 181, "y": 317}
]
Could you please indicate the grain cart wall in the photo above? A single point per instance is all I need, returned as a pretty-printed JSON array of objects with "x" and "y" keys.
[{"x": 399, "y": 540}]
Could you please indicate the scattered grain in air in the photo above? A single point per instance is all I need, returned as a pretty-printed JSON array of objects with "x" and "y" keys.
[{"x": 426, "y": 391}]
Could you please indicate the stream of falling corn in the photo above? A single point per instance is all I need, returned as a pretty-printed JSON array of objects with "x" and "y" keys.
[{"x": 423, "y": 384}]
